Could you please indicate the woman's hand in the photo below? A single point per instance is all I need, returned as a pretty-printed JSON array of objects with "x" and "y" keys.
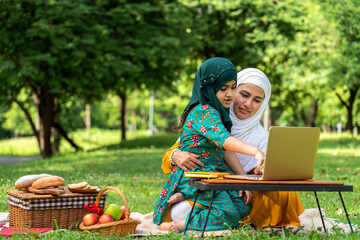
[
  {"x": 247, "y": 195},
  {"x": 187, "y": 161}
]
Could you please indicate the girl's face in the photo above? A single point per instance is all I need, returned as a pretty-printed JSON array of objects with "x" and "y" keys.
[
  {"x": 226, "y": 94},
  {"x": 248, "y": 99}
]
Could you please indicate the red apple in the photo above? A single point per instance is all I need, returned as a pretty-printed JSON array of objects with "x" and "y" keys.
[
  {"x": 89, "y": 219},
  {"x": 105, "y": 218},
  {"x": 123, "y": 212}
]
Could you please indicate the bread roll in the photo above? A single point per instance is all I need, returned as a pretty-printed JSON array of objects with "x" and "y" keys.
[
  {"x": 27, "y": 180},
  {"x": 78, "y": 185},
  {"x": 51, "y": 181}
]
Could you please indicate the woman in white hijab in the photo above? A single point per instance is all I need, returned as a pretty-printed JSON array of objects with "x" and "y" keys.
[{"x": 276, "y": 209}]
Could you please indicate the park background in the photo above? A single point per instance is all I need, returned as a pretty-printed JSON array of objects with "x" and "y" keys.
[{"x": 97, "y": 86}]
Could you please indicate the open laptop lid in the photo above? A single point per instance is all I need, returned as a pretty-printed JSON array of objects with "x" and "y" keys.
[{"x": 291, "y": 153}]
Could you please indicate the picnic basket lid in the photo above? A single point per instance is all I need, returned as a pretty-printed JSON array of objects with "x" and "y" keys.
[{"x": 28, "y": 195}]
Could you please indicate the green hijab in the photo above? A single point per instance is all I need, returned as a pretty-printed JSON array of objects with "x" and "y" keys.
[{"x": 210, "y": 77}]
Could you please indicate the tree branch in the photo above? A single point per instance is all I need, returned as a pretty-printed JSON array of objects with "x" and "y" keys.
[
  {"x": 341, "y": 100},
  {"x": 64, "y": 134},
  {"x": 28, "y": 117}
]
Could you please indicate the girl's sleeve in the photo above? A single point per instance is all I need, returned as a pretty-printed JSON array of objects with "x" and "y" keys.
[
  {"x": 166, "y": 165},
  {"x": 207, "y": 122}
]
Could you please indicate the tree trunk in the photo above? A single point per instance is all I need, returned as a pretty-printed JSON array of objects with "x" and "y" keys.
[
  {"x": 143, "y": 118},
  {"x": 314, "y": 111},
  {"x": 47, "y": 109},
  {"x": 133, "y": 120},
  {"x": 88, "y": 120},
  {"x": 349, "y": 106},
  {"x": 56, "y": 140},
  {"x": 274, "y": 116},
  {"x": 310, "y": 121},
  {"x": 122, "y": 96},
  {"x": 45, "y": 105}
]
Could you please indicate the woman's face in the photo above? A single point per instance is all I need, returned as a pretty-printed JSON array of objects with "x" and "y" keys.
[
  {"x": 248, "y": 99},
  {"x": 226, "y": 94}
]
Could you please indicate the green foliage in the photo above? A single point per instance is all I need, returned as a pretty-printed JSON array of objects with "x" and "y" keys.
[
  {"x": 16, "y": 121},
  {"x": 85, "y": 53},
  {"x": 344, "y": 71},
  {"x": 73, "y": 51}
]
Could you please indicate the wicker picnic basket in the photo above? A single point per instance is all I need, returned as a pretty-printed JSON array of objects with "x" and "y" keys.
[
  {"x": 118, "y": 228},
  {"x": 46, "y": 211}
]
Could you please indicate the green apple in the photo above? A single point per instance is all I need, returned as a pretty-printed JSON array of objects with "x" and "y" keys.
[{"x": 115, "y": 211}]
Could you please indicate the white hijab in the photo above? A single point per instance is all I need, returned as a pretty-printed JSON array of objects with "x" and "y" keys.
[{"x": 250, "y": 130}]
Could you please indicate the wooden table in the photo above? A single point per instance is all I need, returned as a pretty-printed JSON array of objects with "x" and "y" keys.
[{"x": 312, "y": 185}]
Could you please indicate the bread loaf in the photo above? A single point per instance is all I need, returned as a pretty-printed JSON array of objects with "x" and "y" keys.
[
  {"x": 27, "y": 180},
  {"x": 45, "y": 182}
]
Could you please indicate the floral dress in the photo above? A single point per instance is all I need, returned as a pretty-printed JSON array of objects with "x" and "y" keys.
[{"x": 204, "y": 134}]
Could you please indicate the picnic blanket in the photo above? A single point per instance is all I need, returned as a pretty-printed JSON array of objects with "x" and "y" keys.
[{"x": 310, "y": 221}]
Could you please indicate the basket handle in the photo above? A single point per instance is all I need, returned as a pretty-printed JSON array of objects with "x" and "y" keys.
[{"x": 127, "y": 212}]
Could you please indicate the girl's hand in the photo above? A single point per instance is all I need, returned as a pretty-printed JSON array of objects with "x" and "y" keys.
[
  {"x": 247, "y": 195},
  {"x": 260, "y": 156},
  {"x": 259, "y": 170}
]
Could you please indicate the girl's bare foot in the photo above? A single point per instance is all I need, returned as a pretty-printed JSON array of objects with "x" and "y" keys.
[
  {"x": 169, "y": 226},
  {"x": 173, "y": 226},
  {"x": 177, "y": 197}
]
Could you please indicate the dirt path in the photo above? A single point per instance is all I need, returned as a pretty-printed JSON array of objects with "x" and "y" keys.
[{"x": 8, "y": 160}]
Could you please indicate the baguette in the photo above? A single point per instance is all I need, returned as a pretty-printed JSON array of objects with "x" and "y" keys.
[
  {"x": 27, "y": 180},
  {"x": 45, "y": 182}
]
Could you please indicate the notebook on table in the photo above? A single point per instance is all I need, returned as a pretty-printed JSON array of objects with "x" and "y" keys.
[
  {"x": 290, "y": 155},
  {"x": 208, "y": 175}
]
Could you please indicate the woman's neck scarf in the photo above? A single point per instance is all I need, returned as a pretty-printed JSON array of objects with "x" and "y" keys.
[
  {"x": 245, "y": 129},
  {"x": 210, "y": 77}
]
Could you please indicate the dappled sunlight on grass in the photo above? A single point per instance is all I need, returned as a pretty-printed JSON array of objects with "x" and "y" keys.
[
  {"x": 99, "y": 138},
  {"x": 19, "y": 146}
]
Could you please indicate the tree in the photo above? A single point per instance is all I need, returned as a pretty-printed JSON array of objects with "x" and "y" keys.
[
  {"x": 147, "y": 50},
  {"x": 288, "y": 40},
  {"x": 51, "y": 51},
  {"x": 345, "y": 72}
]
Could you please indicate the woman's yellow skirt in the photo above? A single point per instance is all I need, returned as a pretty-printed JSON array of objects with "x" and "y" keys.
[{"x": 276, "y": 209}]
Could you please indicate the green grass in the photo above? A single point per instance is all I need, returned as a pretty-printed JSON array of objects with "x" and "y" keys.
[
  {"x": 27, "y": 146},
  {"x": 134, "y": 167}
]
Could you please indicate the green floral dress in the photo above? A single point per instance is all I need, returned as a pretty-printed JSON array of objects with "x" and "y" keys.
[{"x": 203, "y": 134}]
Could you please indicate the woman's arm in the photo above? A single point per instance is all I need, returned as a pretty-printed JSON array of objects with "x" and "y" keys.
[
  {"x": 185, "y": 160},
  {"x": 166, "y": 165}
]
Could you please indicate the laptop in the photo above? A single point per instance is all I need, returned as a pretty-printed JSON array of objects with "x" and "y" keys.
[{"x": 290, "y": 155}]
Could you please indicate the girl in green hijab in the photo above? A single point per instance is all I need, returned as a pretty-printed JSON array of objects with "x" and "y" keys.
[{"x": 205, "y": 127}]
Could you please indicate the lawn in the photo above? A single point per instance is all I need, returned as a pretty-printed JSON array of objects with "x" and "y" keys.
[{"x": 134, "y": 168}]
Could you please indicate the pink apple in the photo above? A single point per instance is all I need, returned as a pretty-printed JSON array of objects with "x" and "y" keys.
[
  {"x": 89, "y": 219},
  {"x": 123, "y": 212},
  {"x": 105, "y": 218}
]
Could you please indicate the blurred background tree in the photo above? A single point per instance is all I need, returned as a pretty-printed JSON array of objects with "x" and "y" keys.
[{"x": 63, "y": 60}]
